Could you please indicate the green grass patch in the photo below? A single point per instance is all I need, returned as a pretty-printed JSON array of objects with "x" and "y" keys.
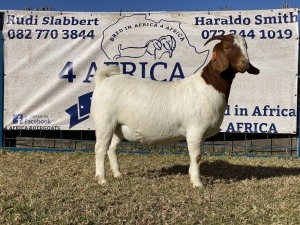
[{"x": 59, "y": 188}]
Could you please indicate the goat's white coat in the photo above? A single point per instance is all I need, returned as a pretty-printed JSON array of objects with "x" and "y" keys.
[
  {"x": 241, "y": 43},
  {"x": 125, "y": 107},
  {"x": 154, "y": 112}
]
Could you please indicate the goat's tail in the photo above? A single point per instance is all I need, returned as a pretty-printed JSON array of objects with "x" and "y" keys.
[{"x": 107, "y": 71}]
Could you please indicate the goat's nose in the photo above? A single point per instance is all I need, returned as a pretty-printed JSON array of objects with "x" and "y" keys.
[{"x": 245, "y": 61}]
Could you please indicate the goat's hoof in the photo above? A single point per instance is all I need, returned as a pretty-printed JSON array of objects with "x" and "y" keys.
[
  {"x": 118, "y": 175},
  {"x": 100, "y": 181},
  {"x": 200, "y": 185},
  {"x": 197, "y": 184}
]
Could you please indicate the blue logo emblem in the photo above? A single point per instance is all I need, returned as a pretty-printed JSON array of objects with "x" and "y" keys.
[
  {"x": 17, "y": 118},
  {"x": 80, "y": 112}
]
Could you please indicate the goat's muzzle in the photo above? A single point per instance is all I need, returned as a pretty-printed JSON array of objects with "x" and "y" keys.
[
  {"x": 241, "y": 66},
  {"x": 252, "y": 69},
  {"x": 246, "y": 66}
]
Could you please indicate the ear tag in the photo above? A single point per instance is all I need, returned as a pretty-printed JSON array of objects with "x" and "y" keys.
[{"x": 214, "y": 56}]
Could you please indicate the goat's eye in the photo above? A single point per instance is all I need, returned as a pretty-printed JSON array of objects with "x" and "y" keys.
[{"x": 227, "y": 46}]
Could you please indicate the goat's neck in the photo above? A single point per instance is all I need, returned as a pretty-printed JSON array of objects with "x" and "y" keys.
[{"x": 221, "y": 81}]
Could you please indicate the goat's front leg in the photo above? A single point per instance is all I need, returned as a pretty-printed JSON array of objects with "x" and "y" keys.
[{"x": 194, "y": 147}]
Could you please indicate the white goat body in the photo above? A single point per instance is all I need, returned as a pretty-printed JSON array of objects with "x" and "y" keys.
[
  {"x": 156, "y": 112},
  {"x": 125, "y": 107}
]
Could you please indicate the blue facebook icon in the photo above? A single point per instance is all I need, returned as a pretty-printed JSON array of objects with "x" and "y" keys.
[{"x": 17, "y": 118}]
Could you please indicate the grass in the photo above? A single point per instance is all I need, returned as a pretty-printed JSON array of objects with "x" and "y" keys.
[{"x": 58, "y": 188}]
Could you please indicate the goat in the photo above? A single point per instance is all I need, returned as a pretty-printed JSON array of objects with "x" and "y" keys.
[{"x": 191, "y": 109}]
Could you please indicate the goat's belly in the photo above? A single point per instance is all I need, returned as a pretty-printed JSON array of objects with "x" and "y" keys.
[
  {"x": 214, "y": 128},
  {"x": 153, "y": 138},
  {"x": 211, "y": 132}
]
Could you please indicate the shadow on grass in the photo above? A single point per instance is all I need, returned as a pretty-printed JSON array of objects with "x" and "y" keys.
[{"x": 224, "y": 170}]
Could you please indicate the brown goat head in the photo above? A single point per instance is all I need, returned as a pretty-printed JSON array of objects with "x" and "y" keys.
[{"x": 232, "y": 50}]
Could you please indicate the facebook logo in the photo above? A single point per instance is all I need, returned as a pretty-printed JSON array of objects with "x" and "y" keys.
[{"x": 17, "y": 118}]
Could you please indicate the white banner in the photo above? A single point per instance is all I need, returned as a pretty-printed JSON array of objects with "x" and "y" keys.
[{"x": 50, "y": 59}]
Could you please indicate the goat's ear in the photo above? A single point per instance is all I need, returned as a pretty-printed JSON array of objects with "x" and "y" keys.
[
  {"x": 219, "y": 61},
  {"x": 253, "y": 70}
]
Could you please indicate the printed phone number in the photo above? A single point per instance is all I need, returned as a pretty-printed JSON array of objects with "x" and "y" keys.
[
  {"x": 262, "y": 34},
  {"x": 50, "y": 34}
]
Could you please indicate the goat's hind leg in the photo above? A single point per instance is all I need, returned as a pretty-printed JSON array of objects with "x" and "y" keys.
[
  {"x": 112, "y": 155},
  {"x": 103, "y": 140}
]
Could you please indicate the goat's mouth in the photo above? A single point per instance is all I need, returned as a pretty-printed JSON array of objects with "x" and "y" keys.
[{"x": 242, "y": 69}]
